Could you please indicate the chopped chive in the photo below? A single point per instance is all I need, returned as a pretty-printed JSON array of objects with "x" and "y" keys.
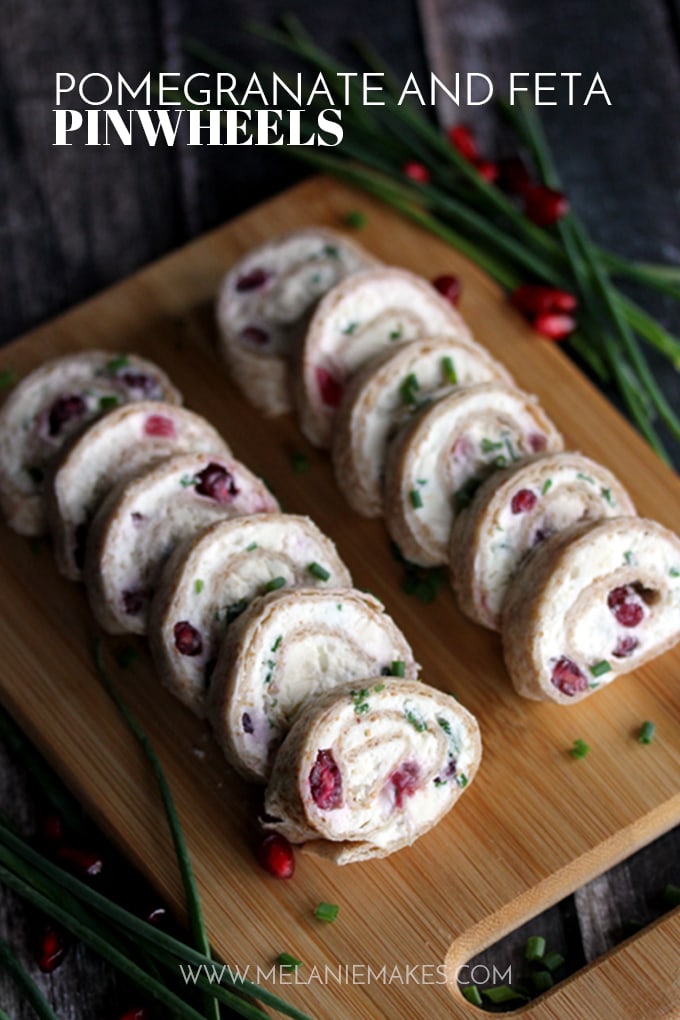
[
  {"x": 600, "y": 668},
  {"x": 187, "y": 480},
  {"x": 277, "y": 643},
  {"x": 355, "y": 218},
  {"x": 8, "y": 379},
  {"x": 462, "y": 780},
  {"x": 416, "y": 499},
  {"x": 503, "y": 993},
  {"x": 125, "y": 656},
  {"x": 580, "y": 749},
  {"x": 349, "y": 329},
  {"x": 607, "y": 495},
  {"x": 500, "y": 461},
  {"x": 445, "y": 725},
  {"x": 488, "y": 445},
  {"x": 316, "y": 570},
  {"x": 471, "y": 993},
  {"x": 629, "y": 558},
  {"x": 326, "y": 911},
  {"x": 299, "y": 462},
  {"x": 360, "y": 700},
  {"x": 418, "y": 724},
  {"x": 585, "y": 478},
  {"x": 253, "y": 545},
  {"x": 511, "y": 449},
  {"x": 31, "y": 992},
  {"x": 396, "y": 334},
  {"x": 646, "y": 735},
  {"x": 331, "y": 251},
  {"x": 535, "y": 948},
  {"x": 552, "y": 961},
  {"x": 409, "y": 388},
  {"x": 378, "y": 688},
  {"x": 106, "y": 403},
  {"x": 674, "y": 572},
  {"x": 286, "y": 960},
  {"x": 115, "y": 364},
  {"x": 398, "y": 668},
  {"x": 671, "y": 895},
  {"x": 542, "y": 980},
  {"x": 547, "y": 485},
  {"x": 234, "y": 610},
  {"x": 275, "y": 584},
  {"x": 449, "y": 371},
  {"x": 198, "y": 586}
]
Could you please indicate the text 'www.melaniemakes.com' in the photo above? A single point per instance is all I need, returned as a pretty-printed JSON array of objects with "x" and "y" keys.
[
  {"x": 343, "y": 974},
  {"x": 218, "y": 109}
]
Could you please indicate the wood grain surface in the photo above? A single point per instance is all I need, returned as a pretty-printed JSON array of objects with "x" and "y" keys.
[{"x": 536, "y": 823}]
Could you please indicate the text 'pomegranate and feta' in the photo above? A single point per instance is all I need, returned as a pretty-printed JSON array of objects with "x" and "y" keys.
[
  {"x": 592, "y": 602},
  {"x": 370, "y": 767}
]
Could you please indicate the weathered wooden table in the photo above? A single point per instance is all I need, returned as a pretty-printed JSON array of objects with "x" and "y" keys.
[{"x": 75, "y": 219}]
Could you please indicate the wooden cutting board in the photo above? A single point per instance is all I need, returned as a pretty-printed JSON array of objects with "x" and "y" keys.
[{"x": 535, "y": 825}]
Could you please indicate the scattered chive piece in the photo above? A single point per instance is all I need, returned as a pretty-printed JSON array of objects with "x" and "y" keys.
[
  {"x": 253, "y": 545},
  {"x": 471, "y": 993},
  {"x": 316, "y": 570},
  {"x": 646, "y": 735},
  {"x": 450, "y": 374},
  {"x": 535, "y": 948},
  {"x": 511, "y": 450},
  {"x": 8, "y": 379},
  {"x": 125, "y": 656},
  {"x": 398, "y": 668},
  {"x": 349, "y": 328},
  {"x": 326, "y": 911},
  {"x": 277, "y": 643},
  {"x": 607, "y": 494},
  {"x": 198, "y": 586},
  {"x": 115, "y": 364},
  {"x": 462, "y": 780},
  {"x": 186, "y": 480},
  {"x": 107, "y": 403},
  {"x": 234, "y": 610},
  {"x": 671, "y": 895},
  {"x": 552, "y": 961},
  {"x": 418, "y": 724},
  {"x": 674, "y": 572},
  {"x": 585, "y": 478},
  {"x": 409, "y": 388},
  {"x": 274, "y": 584},
  {"x": 542, "y": 980},
  {"x": 488, "y": 445},
  {"x": 547, "y": 485},
  {"x": 299, "y": 462},
  {"x": 378, "y": 688},
  {"x": 286, "y": 960},
  {"x": 628, "y": 557},
  {"x": 359, "y": 700},
  {"x": 503, "y": 993},
  {"x": 331, "y": 251},
  {"x": 355, "y": 218},
  {"x": 396, "y": 334},
  {"x": 600, "y": 668},
  {"x": 416, "y": 499},
  {"x": 580, "y": 749},
  {"x": 24, "y": 981}
]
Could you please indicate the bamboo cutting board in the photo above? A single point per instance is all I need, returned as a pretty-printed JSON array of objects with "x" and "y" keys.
[{"x": 535, "y": 825}]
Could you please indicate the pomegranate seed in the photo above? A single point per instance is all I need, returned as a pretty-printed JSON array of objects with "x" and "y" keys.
[
  {"x": 625, "y": 646},
  {"x": 136, "y": 1013},
  {"x": 545, "y": 206},
  {"x": 568, "y": 678},
  {"x": 535, "y": 299},
  {"x": 537, "y": 441},
  {"x": 514, "y": 176},
  {"x": 134, "y": 601},
  {"x": 523, "y": 501},
  {"x": 187, "y": 639},
  {"x": 63, "y": 411},
  {"x": 86, "y": 863},
  {"x": 255, "y": 335},
  {"x": 416, "y": 172},
  {"x": 138, "y": 381},
  {"x": 329, "y": 387},
  {"x": 215, "y": 482},
  {"x": 625, "y": 605},
  {"x": 488, "y": 170},
  {"x": 554, "y": 326},
  {"x": 51, "y": 949},
  {"x": 159, "y": 425},
  {"x": 325, "y": 781},
  {"x": 405, "y": 782},
  {"x": 276, "y": 856},
  {"x": 253, "y": 280},
  {"x": 463, "y": 139},
  {"x": 448, "y": 286},
  {"x": 52, "y": 829}
]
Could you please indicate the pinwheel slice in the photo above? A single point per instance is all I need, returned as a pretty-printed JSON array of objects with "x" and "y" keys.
[
  {"x": 383, "y": 395},
  {"x": 593, "y": 602},
  {"x": 288, "y": 649},
  {"x": 369, "y": 313},
  {"x": 114, "y": 449},
  {"x": 141, "y": 521},
  {"x": 372, "y": 767},
  {"x": 438, "y": 460},
  {"x": 264, "y": 304},
  {"x": 516, "y": 509},
  {"x": 49, "y": 406},
  {"x": 212, "y": 578}
]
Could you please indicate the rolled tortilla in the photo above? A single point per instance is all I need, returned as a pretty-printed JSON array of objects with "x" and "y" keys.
[
  {"x": 372, "y": 766},
  {"x": 383, "y": 395},
  {"x": 286, "y": 650},
  {"x": 264, "y": 304},
  {"x": 516, "y": 509},
  {"x": 212, "y": 578},
  {"x": 440, "y": 457},
  {"x": 114, "y": 449},
  {"x": 49, "y": 406},
  {"x": 141, "y": 521},
  {"x": 369, "y": 313},
  {"x": 592, "y": 602}
]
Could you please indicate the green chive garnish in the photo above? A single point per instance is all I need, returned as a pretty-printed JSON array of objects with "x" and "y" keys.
[
  {"x": 398, "y": 668},
  {"x": 600, "y": 668},
  {"x": 535, "y": 948},
  {"x": 607, "y": 495},
  {"x": 286, "y": 960},
  {"x": 462, "y": 780},
  {"x": 275, "y": 584},
  {"x": 409, "y": 389},
  {"x": 488, "y": 445},
  {"x": 8, "y": 379},
  {"x": 674, "y": 572},
  {"x": 503, "y": 993},
  {"x": 471, "y": 993},
  {"x": 396, "y": 334},
  {"x": 449, "y": 371},
  {"x": 277, "y": 643},
  {"x": 187, "y": 480},
  {"x": 198, "y": 586},
  {"x": 115, "y": 364},
  {"x": 547, "y": 485},
  {"x": 299, "y": 462},
  {"x": 360, "y": 700},
  {"x": 671, "y": 895},
  {"x": 552, "y": 961},
  {"x": 355, "y": 218},
  {"x": 107, "y": 403},
  {"x": 416, "y": 499},
  {"x": 542, "y": 980},
  {"x": 585, "y": 478},
  {"x": 349, "y": 328},
  {"x": 316, "y": 570},
  {"x": 418, "y": 724},
  {"x": 646, "y": 735},
  {"x": 23, "y": 980},
  {"x": 629, "y": 558},
  {"x": 253, "y": 545},
  {"x": 580, "y": 749},
  {"x": 326, "y": 911}
]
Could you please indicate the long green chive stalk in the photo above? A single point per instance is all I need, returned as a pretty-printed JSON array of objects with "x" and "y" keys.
[
  {"x": 25, "y": 983},
  {"x": 477, "y": 218}
]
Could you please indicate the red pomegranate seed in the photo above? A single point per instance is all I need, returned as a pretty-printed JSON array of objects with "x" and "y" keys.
[
  {"x": 63, "y": 411},
  {"x": 537, "y": 441},
  {"x": 554, "y": 325},
  {"x": 253, "y": 280},
  {"x": 545, "y": 206},
  {"x": 86, "y": 863},
  {"x": 405, "y": 781},
  {"x": 159, "y": 425},
  {"x": 625, "y": 604},
  {"x": 187, "y": 639},
  {"x": 51, "y": 949},
  {"x": 416, "y": 172},
  {"x": 136, "y": 1013},
  {"x": 514, "y": 176},
  {"x": 625, "y": 646},
  {"x": 276, "y": 856},
  {"x": 534, "y": 299},
  {"x": 523, "y": 501},
  {"x": 52, "y": 829},
  {"x": 329, "y": 387},
  {"x": 138, "y": 381},
  {"x": 325, "y": 781},
  {"x": 215, "y": 482},
  {"x": 463, "y": 139},
  {"x": 255, "y": 335},
  {"x": 488, "y": 170},
  {"x": 448, "y": 286},
  {"x": 134, "y": 601},
  {"x": 568, "y": 678}
]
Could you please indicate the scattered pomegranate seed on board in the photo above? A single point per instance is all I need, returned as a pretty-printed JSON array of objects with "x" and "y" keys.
[
  {"x": 545, "y": 206},
  {"x": 276, "y": 856},
  {"x": 448, "y": 286},
  {"x": 462, "y": 139},
  {"x": 487, "y": 169},
  {"x": 554, "y": 326},
  {"x": 416, "y": 172},
  {"x": 51, "y": 949},
  {"x": 537, "y": 299}
]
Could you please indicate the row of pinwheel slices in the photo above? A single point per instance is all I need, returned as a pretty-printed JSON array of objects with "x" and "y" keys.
[
  {"x": 428, "y": 429},
  {"x": 250, "y": 612}
]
